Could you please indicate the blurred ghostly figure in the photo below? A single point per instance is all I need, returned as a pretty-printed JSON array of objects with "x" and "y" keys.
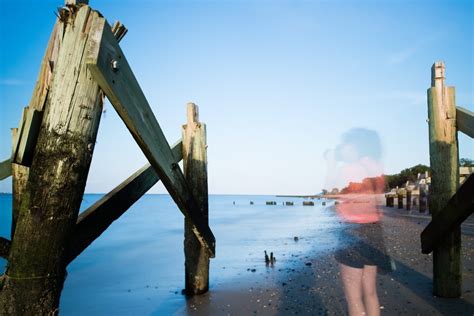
[{"x": 355, "y": 163}]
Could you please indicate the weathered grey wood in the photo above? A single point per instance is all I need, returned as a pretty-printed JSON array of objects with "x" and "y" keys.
[
  {"x": 98, "y": 217},
  {"x": 444, "y": 181},
  {"x": 459, "y": 207},
  {"x": 111, "y": 70},
  {"x": 76, "y": 2},
  {"x": 42, "y": 86},
  {"x": 195, "y": 170},
  {"x": 5, "y": 169},
  {"x": 50, "y": 202},
  {"x": 465, "y": 121},
  {"x": 119, "y": 30},
  {"x": 4, "y": 247},
  {"x": 25, "y": 141}
]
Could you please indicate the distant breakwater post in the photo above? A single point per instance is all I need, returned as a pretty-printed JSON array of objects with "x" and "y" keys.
[
  {"x": 449, "y": 204},
  {"x": 51, "y": 156}
]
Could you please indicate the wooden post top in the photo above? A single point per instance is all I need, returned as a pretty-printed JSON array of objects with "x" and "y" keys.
[
  {"x": 438, "y": 74},
  {"x": 193, "y": 113},
  {"x": 75, "y": 2}
]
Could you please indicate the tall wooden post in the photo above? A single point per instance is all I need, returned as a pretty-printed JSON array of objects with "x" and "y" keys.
[
  {"x": 195, "y": 171},
  {"x": 447, "y": 276},
  {"x": 50, "y": 201}
]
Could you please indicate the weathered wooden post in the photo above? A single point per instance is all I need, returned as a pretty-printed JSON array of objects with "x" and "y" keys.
[
  {"x": 50, "y": 201},
  {"x": 447, "y": 275},
  {"x": 408, "y": 200},
  {"x": 400, "y": 200},
  {"x": 389, "y": 200},
  {"x": 195, "y": 172}
]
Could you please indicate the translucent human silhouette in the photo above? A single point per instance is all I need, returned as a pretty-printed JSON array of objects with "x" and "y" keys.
[{"x": 355, "y": 166}]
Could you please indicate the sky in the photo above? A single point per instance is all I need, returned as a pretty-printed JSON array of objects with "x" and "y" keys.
[{"x": 277, "y": 82}]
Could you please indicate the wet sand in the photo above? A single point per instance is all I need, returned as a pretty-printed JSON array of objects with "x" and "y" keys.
[{"x": 309, "y": 283}]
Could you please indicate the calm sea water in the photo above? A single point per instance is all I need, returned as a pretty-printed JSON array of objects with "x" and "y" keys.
[{"x": 137, "y": 265}]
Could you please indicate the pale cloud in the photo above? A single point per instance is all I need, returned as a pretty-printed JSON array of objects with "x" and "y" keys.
[
  {"x": 403, "y": 55},
  {"x": 408, "y": 52},
  {"x": 11, "y": 82}
]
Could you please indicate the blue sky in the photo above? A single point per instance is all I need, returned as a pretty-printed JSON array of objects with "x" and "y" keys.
[{"x": 277, "y": 82}]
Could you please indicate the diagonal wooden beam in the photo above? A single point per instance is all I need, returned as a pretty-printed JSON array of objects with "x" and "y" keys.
[
  {"x": 459, "y": 207},
  {"x": 98, "y": 217},
  {"x": 112, "y": 72},
  {"x": 5, "y": 245},
  {"x": 5, "y": 169},
  {"x": 465, "y": 121}
]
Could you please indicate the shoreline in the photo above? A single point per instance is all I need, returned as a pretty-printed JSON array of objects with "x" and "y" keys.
[{"x": 310, "y": 284}]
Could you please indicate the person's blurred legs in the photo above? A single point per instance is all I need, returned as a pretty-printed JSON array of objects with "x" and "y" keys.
[
  {"x": 369, "y": 286},
  {"x": 352, "y": 282}
]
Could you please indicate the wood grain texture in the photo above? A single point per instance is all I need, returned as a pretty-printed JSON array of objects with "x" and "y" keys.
[
  {"x": 98, "y": 217},
  {"x": 42, "y": 86},
  {"x": 458, "y": 209},
  {"x": 465, "y": 121},
  {"x": 444, "y": 159},
  {"x": 195, "y": 170},
  {"x": 114, "y": 75}
]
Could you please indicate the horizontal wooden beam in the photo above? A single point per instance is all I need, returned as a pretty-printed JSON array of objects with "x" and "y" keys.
[
  {"x": 112, "y": 72},
  {"x": 5, "y": 169},
  {"x": 465, "y": 121},
  {"x": 98, "y": 217},
  {"x": 4, "y": 247},
  {"x": 459, "y": 207}
]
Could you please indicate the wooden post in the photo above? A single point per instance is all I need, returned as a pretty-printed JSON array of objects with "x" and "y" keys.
[
  {"x": 50, "y": 201},
  {"x": 408, "y": 200},
  {"x": 400, "y": 200},
  {"x": 195, "y": 172},
  {"x": 444, "y": 180}
]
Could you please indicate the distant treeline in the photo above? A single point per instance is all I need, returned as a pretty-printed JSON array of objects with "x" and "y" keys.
[
  {"x": 408, "y": 174},
  {"x": 389, "y": 181},
  {"x": 386, "y": 182}
]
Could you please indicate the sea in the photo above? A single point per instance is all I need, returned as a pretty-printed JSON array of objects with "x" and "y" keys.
[{"x": 136, "y": 267}]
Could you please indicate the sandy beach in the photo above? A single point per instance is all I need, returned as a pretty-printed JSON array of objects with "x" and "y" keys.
[{"x": 310, "y": 284}]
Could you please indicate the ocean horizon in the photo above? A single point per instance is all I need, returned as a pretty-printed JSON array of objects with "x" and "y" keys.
[{"x": 137, "y": 265}]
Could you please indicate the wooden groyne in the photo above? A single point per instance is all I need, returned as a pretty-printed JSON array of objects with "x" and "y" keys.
[
  {"x": 444, "y": 123},
  {"x": 450, "y": 198},
  {"x": 448, "y": 204},
  {"x": 52, "y": 151}
]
